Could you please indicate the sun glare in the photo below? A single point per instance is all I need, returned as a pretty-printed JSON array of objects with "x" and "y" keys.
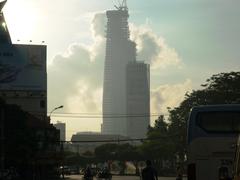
[
  {"x": 4, "y": 25},
  {"x": 21, "y": 18}
]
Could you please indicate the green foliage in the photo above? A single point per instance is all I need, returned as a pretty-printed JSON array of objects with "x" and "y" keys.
[
  {"x": 169, "y": 139},
  {"x": 127, "y": 152},
  {"x": 106, "y": 152},
  {"x": 120, "y": 152},
  {"x": 74, "y": 159},
  {"x": 157, "y": 147},
  {"x": 223, "y": 88}
]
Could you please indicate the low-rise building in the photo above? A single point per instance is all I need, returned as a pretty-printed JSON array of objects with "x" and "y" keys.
[
  {"x": 88, "y": 141},
  {"x": 62, "y": 128}
]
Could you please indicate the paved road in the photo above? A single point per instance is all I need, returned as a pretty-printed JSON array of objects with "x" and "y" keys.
[{"x": 77, "y": 177}]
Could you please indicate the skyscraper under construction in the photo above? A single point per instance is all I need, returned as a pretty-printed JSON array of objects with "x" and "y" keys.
[{"x": 118, "y": 95}]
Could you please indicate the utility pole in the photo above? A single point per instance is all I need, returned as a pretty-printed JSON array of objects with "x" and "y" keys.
[
  {"x": 62, "y": 158},
  {"x": 2, "y": 138}
]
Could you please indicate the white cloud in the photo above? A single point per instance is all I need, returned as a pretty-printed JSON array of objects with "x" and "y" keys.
[
  {"x": 169, "y": 96},
  {"x": 153, "y": 48},
  {"x": 86, "y": 99},
  {"x": 98, "y": 25},
  {"x": 76, "y": 75}
]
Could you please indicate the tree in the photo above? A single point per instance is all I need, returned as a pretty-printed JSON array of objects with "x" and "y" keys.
[
  {"x": 118, "y": 152},
  {"x": 127, "y": 152},
  {"x": 223, "y": 88},
  {"x": 167, "y": 139},
  {"x": 106, "y": 152},
  {"x": 158, "y": 147}
]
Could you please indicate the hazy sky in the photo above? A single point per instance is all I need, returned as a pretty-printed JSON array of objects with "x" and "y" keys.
[{"x": 185, "y": 41}]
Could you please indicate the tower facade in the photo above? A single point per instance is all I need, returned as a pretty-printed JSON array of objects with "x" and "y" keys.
[
  {"x": 138, "y": 99},
  {"x": 120, "y": 51}
]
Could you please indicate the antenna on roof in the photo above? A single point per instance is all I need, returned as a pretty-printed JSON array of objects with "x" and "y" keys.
[
  {"x": 125, "y": 3},
  {"x": 122, "y": 5}
]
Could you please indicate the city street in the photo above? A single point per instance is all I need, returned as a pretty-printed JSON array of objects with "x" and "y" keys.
[{"x": 77, "y": 177}]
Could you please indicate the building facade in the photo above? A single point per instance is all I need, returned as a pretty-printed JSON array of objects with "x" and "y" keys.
[
  {"x": 120, "y": 51},
  {"x": 138, "y": 99},
  {"x": 23, "y": 110},
  {"x": 62, "y": 128},
  {"x": 23, "y": 75},
  {"x": 88, "y": 141}
]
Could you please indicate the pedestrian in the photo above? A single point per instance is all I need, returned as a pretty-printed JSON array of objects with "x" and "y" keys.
[
  {"x": 62, "y": 172},
  {"x": 179, "y": 173},
  {"x": 88, "y": 174},
  {"x": 223, "y": 174},
  {"x": 149, "y": 172}
]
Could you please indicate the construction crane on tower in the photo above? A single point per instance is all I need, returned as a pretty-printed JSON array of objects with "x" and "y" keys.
[{"x": 122, "y": 5}]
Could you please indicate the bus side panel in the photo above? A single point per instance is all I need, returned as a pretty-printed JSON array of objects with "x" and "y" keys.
[{"x": 209, "y": 154}]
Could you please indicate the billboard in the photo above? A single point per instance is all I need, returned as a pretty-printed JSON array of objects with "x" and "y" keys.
[{"x": 23, "y": 67}]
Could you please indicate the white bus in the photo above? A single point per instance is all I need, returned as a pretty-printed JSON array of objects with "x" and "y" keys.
[
  {"x": 236, "y": 164},
  {"x": 212, "y": 134}
]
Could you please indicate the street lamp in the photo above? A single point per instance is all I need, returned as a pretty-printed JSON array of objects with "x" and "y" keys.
[
  {"x": 59, "y": 107},
  {"x": 61, "y": 142}
]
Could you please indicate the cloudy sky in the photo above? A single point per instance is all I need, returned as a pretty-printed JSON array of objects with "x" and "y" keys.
[{"x": 185, "y": 41}]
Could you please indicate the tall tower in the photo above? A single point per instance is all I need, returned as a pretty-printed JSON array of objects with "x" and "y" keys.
[{"x": 120, "y": 51}]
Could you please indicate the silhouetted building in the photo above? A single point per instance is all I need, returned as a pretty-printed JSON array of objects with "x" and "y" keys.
[
  {"x": 35, "y": 140},
  {"x": 62, "y": 127},
  {"x": 138, "y": 99},
  {"x": 90, "y": 140},
  {"x": 120, "y": 51},
  {"x": 23, "y": 76},
  {"x": 29, "y": 143}
]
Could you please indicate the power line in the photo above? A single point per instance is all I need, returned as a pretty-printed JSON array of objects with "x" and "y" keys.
[
  {"x": 118, "y": 140},
  {"x": 99, "y": 113},
  {"x": 95, "y": 117},
  {"x": 121, "y": 140}
]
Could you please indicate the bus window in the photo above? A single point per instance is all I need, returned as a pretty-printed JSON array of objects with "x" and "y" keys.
[{"x": 219, "y": 121}]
